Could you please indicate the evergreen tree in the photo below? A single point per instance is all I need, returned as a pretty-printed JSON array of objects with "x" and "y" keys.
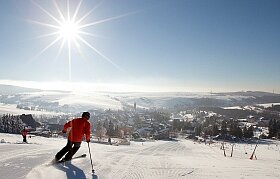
[
  {"x": 224, "y": 128},
  {"x": 137, "y": 120},
  {"x": 116, "y": 131},
  {"x": 245, "y": 132},
  {"x": 272, "y": 128},
  {"x": 278, "y": 129},
  {"x": 106, "y": 124},
  {"x": 198, "y": 130},
  {"x": 176, "y": 125},
  {"x": 99, "y": 129},
  {"x": 215, "y": 130},
  {"x": 232, "y": 127},
  {"x": 238, "y": 132},
  {"x": 250, "y": 132},
  {"x": 11, "y": 124},
  {"x": 160, "y": 116},
  {"x": 110, "y": 131}
]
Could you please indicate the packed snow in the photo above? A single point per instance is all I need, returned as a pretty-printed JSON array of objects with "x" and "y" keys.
[{"x": 152, "y": 160}]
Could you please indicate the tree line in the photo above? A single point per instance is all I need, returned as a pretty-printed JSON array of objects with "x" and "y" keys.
[
  {"x": 274, "y": 128},
  {"x": 211, "y": 127},
  {"x": 11, "y": 124}
]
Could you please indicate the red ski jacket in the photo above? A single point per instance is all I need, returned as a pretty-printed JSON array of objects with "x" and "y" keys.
[
  {"x": 79, "y": 127},
  {"x": 24, "y": 132}
]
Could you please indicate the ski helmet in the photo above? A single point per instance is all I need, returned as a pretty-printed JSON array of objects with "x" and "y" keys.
[{"x": 86, "y": 115}]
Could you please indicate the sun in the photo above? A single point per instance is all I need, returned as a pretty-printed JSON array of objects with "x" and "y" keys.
[{"x": 68, "y": 29}]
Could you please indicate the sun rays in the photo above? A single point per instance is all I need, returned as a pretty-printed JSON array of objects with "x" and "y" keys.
[{"x": 69, "y": 30}]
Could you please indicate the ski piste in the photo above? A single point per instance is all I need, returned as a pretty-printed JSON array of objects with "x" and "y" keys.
[{"x": 80, "y": 156}]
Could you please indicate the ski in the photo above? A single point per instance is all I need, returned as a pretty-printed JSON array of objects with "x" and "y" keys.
[{"x": 80, "y": 156}]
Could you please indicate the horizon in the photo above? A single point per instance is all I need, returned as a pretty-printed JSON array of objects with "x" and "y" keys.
[
  {"x": 110, "y": 88},
  {"x": 141, "y": 46}
]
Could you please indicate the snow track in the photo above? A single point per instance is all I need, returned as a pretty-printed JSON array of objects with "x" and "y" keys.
[
  {"x": 18, "y": 159},
  {"x": 148, "y": 160}
]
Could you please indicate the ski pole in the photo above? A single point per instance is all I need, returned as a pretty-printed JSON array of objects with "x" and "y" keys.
[
  {"x": 254, "y": 151},
  {"x": 251, "y": 158},
  {"x": 92, "y": 170}
]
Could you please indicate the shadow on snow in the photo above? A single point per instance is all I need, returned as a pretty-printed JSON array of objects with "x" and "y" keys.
[{"x": 73, "y": 172}]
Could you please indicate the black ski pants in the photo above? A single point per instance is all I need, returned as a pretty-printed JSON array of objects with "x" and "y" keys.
[
  {"x": 24, "y": 139},
  {"x": 70, "y": 149}
]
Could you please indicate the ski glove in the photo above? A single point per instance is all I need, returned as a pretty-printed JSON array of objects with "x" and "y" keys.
[
  {"x": 63, "y": 131},
  {"x": 88, "y": 141}
]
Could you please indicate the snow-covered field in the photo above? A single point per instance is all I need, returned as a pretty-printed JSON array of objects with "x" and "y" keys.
[
  {"x": 152, "y": 160},
  {"x": 74, "y": 101},
  {"x": 12, "y": 109},
  {"x": 266, "y": 105}
]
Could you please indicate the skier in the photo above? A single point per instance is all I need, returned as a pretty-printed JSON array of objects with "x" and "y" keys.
[
  {"x": 79, "y": 127},
  {"x": 24, "y": 132}
]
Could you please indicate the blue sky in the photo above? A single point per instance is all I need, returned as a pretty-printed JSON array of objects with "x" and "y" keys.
[{"x": 165, "y": 45}]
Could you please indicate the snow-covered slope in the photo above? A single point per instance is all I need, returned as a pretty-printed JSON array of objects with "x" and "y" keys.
[
  {"x": 148, "y": 160},
  {"x": 76, "y": 101}
]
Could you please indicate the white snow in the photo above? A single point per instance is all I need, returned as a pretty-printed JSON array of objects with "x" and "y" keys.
[
  {"x": 152, "y": 160},
  {"x": 266, "y": 105},
  {"x": 12, "y": 109},
  {"x": 98, "y": 100},
  {"x": 233, "y": 107}
]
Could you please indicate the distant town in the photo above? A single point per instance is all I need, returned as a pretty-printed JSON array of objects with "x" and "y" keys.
[
  {"x": 235, "y": 124},
  {"x": 236, "y": 116}
]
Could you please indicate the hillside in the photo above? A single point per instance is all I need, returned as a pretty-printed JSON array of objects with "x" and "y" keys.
[{"x": 75, "y": 101}]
